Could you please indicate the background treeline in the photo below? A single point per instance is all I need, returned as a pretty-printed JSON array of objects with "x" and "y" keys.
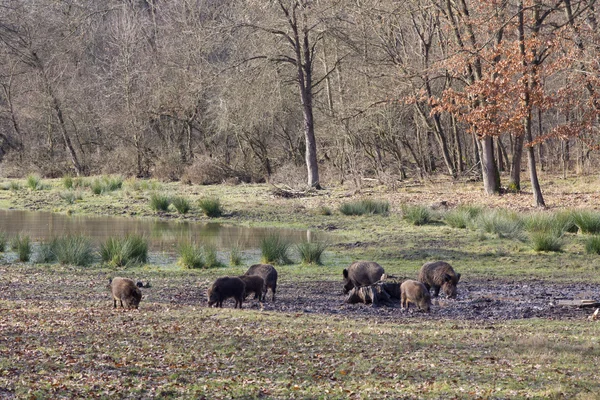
[{"x": 214, "y": 90}]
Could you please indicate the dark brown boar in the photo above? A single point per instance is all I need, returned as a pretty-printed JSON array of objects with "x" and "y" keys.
[
  {"x": 415, "y": 292},
  {"x": 254, "y": 284},
  {"x": 439, "y": 274},
  {"x": 361, "y": 273},
  {"x": 225, "y": 288},
  {"x": 269, "y": 274},
  {"x": 125, "y": 291}
]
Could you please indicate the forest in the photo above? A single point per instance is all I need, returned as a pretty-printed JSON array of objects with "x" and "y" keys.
[{"x": 306, "y": 92}]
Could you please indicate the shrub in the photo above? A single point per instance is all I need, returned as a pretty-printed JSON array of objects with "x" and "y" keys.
[
  {"x": 365, "y": 206},
  {"x": 22, "y": 245},
  {"x": 311, "y": 252},
  {"x": 416, "y": 215},
  {"x": 159, "y": 202},
  {"x": 67, "y": 181},
  {"x": 181, "y": 204},
  {"x": 70, "y": 196},
  {"x": 190, "y": 256},
  {"x": 34, "y": 182},
  {"x": 211, "y": 206},
  {"x": 275, "y": 250},
  {"x": 587, "y": 221},
  {"x": 592, "y": 245},
  {"x": 504, "y": 224},
  {"x": 73, "y": 250},
  {"x": 546, "y": 241},
  {"x": 129, "y": 250}
]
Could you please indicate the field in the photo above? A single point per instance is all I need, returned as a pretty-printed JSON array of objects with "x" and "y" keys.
[{"x": 503, "y": 337}]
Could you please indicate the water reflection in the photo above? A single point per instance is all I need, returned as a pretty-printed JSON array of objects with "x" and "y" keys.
[{"x": 162, "y": 235}]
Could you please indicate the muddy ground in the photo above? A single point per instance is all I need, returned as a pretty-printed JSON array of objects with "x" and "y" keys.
[{"x": 478, "y": 300}]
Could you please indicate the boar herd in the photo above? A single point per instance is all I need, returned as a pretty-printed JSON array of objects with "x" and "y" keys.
[{"x": 433, "y": 277}]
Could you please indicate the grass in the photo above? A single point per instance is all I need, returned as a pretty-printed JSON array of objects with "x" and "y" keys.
[
  {"x": 416, "y": 214},
  {"x": 124, "y": 251},
  {"x": 546, "y": 241},
  {"x": 275, "y": 250},
  {"x": 365, "y": 206},
  {"x": 461, "y": 217},
  {"x": 159, "y": 202},
  {"x": 503, "y": 223},
  {"x": 71, "y": 196},
  {"x": 587, "y": 221},
  {"x": 67, "y": 182},
  {"x": 211, "y": 206},
  {"x": 311, "y": 252},
  {"x": 211, "y": 257},
  {"x": 73, "y": 250},
  {"x": 21, "y": 244},
  {"x": 181, "y": 204},
  {"x": 235, "y": 256},
  {"x": 555, "y": 223},
  {"x": 592, "y": 244},
  {"x": 190, "y": 256},
  {"x": 34, "y": 182},
  {"x": 106, "y": 184},
  {"x": 3, "y": 242}
]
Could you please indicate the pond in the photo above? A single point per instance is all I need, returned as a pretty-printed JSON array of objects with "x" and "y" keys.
[{"x": 163, "y": 236}]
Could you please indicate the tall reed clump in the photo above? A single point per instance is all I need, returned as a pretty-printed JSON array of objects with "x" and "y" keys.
[
  {"x": 416, "y": 214},
  {"x": 546, "y": 241},
  {"x": 181, "y": 204},
  {"x": 461, "y": 217},
  {"x": 73, "y": 250},
  {"x": 2, "y": 242},
  {"x": 311, "y": 252},
  {"x": 159, "y": 202},
  {"x": 124, "y": 251},
  {"x": 587, "y": 221},
  {"x": 190, "y": 256},
  {"x": 22, "y": 246},
  {"x": 34, "y": 182},
  {"x": 503, "y": 223},
  {"x": 211, "y": 206},
  {"x": 365, "y": 207},
  {"x": 275, "y": 250},
  {"x": 592, "y": 245}
]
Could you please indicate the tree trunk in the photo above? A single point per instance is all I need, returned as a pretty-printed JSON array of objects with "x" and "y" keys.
[{"x": 489, "y": 170}]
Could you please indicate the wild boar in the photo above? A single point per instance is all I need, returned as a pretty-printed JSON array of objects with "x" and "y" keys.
[
  {"x": 361, "y": 273},
  {"x": 125, "y": 291},
  {"x": 269, "y": 274},
  {"x": 415, "y": 292},
  {"x": 225, "y": 288},
  {"x": 439, "y": 274},
  {"x": 254, "y": 284}
]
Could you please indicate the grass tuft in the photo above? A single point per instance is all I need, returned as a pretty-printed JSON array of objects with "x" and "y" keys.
[
  {"x": 73, "y": 250},
  {"x": 502, "y": 223},
  {"x": 70, "y": 196},
  {"x": 461, "y": 217},
  {"x": 159, "y": 202},
  {"x": 181, "y": 204},
  {"x": 365, "y": 206},
  {"x": 190, "y": 256},
  {"x": 416, "y": 215},
  {"x": 235, "y": 256},
  {"x": 67, "y": 181},
  {"x": 22, "y": 245},
  {"x": 125, "y": 251},
  {"x": 546, "y": 241},
  {"x": 311, "y": 252},
  {"x": 275, "y": 250},
  {"x": 210, "y": 257},
  {"x": 556, "y": 224},
  {"x": 587, "y": 221},
  {"x": 211, "y": 206},
  {"x": 592, "y": 244},
  {"x": 3, "y": 242},
  {"x": 34, "y": 182}
]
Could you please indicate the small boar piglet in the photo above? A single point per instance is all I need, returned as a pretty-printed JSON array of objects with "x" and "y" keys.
[
  {"x": 439, "y": 274},
  {"x": 361, "y": 273},
  {"x": 125, "y": 291},
  {"x": 269, "y": 275},
  {"x": 415, "y": 292},
  {"x": 254, "y": 284},
  {"x": 225, "y": 288}
]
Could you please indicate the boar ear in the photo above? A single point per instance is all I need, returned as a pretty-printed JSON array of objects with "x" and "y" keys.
[
  {"x": 457, "y": 278},
  {"x": 345, "y": 273}
]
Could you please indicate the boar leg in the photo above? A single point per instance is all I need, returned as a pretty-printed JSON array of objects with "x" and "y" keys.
[{"x": 114, "y": 303}]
